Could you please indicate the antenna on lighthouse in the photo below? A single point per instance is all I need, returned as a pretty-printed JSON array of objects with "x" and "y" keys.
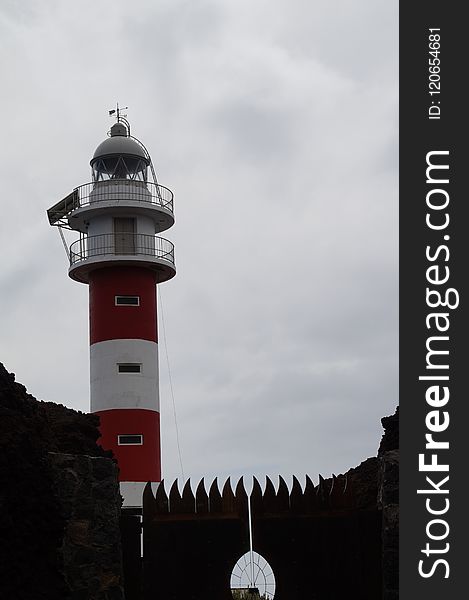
[{"x": 120, "y": 117}]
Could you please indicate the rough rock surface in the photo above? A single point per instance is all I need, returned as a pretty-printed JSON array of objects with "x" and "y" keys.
[
  {"x": 376, "y": 483},
  {"x": 388, "y": 498},
  {"x": 32, "y": 522},
  {"x": 88, "y": 490}
]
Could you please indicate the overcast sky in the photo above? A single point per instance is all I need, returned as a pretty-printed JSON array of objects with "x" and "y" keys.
[{"x": 275, "y": 124}]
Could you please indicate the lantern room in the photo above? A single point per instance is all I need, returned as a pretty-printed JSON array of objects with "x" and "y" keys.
[{"x": 120, "y": 157}]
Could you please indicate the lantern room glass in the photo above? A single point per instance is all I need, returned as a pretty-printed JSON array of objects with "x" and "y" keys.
[{"x": 120, "y": 166}]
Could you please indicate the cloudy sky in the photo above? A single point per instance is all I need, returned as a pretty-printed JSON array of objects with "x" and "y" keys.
[{"x": 275, "y": 124}]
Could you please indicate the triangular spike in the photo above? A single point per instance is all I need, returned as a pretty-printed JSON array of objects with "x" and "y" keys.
[
  {"x": 227, "y": 489},
  {"x": 269, "y": 497},
  {"x": 269, "y": 486},
  {"x": 161, "y": 499},
  {"x": 214, "y": 497},
  {"x": 256, "y": 498},
  {"x": 174, "y": 489},
  {"x": 228, "y": 498},
  {"x": 297, "y": 500},
  {"x": 174, "y": 497},
  {"x": 149, "y": 505},
  {"x": 296, "y": 484},
  {"x": 201, "y": 498},
  {"x": 282, "y": 485},
  {"x": 283, "y": 496},
  {"x": 320, "y": 486},
  {"x": 322, "y": 493},
  {"x": 240, "y": 489},
  {"x": 333, "y": 500},
  {"x": 310, "y": 496},
  {"x": 187, "y": 499},
  {"x": 241, "y": 497}
]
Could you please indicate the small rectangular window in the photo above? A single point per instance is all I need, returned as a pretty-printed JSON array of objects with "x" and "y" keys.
[
  {"x": 129, "y": 368},
  {"x": 130, "y": 439},
  {"x": 127, "y": 300}
]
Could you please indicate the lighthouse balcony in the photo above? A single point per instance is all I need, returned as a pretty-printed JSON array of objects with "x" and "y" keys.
[
  {"x": 119, "y": 249},
  {"x": 116, "y": 196}
]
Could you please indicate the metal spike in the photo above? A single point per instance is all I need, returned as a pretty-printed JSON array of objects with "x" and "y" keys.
[
  {"x": 322, "y": 493},
  {"x": 297, "y": 500},
  {"x": 283, "y": 495},
  {"x": 161, "y": 499},
  {"x": 149, "y": 505},
  {"x": 201, "y": 498},
  {"x": 241, "y": 497},
  {"x": 335, "y": 495},
  {"x": 256, "y": 495},
  {"x": 187, "y": 499},
  {"x": 228, "y": 498},
  {"x": 310, "y": 496},
  {"x": 296, "y": 485},
  {"x": 240, "y": 489},
  {"x": 174, "y": 498},
  {"x": 309, "y": 484},
  {"x": 214, "y": 497},
  {"x": 269, "y": 497}
]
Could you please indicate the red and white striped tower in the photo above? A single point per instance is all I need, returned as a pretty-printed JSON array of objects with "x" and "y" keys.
[{"x": 122, "y": 260}]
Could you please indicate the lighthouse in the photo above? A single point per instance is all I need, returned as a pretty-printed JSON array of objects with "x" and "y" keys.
[{"x": 120, "y": 255}]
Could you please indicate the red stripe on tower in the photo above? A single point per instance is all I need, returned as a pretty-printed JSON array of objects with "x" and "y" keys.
[
  {"x": 123, "y": 304},
  {"x": 138, "y": 453},
  {"x": 122, "y": 259}
]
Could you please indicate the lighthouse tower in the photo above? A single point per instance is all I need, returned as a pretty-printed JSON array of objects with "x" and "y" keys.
[{"x": 121, "y": 258}]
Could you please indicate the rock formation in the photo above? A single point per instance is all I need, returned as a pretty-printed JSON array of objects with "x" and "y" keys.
[{"x": 59, "y": 502}]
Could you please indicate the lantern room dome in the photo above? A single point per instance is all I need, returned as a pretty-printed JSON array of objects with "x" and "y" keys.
[
  {"x": 120, "y": 157},
  {"x": 119, "y": 144}
]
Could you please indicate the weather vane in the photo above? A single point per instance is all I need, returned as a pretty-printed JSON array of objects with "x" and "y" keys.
[
  {"x": 116, "y": 111},
  {"x": 121, "y": 118}
]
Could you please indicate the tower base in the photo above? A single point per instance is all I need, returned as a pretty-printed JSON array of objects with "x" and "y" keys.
[{"x": 132, "y": 492}]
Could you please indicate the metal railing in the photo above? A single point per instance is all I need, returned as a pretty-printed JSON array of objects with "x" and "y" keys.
[
  {"x": 131, "y": 244},
  {"x": 112, "y": 190},
  {"x": 125, "y": 189}
]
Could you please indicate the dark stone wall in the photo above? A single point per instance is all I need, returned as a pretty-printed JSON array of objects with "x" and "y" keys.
[
  {"x": 376, "y": 484},
  {"x": 89, "y": 500},
  {"x": 43, "y": 506},
  {"x": 388, "y": 499}
]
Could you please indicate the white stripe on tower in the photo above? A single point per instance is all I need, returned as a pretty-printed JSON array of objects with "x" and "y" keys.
[{"x": 124, "y": 374}]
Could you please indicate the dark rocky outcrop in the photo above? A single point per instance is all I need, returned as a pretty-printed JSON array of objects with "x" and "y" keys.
[
  {"x": 35, "y": 528},
  {"x": 375, "y": 482},
  {"x": 87, "y": 489},
  {"x": 388, "y": 499}
]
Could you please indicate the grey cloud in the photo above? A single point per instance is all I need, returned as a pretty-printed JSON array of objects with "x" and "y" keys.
[{"x": 277, "y": 131}]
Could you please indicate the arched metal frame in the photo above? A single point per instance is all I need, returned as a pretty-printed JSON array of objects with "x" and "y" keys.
[{"x": 253, "y": 575}]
